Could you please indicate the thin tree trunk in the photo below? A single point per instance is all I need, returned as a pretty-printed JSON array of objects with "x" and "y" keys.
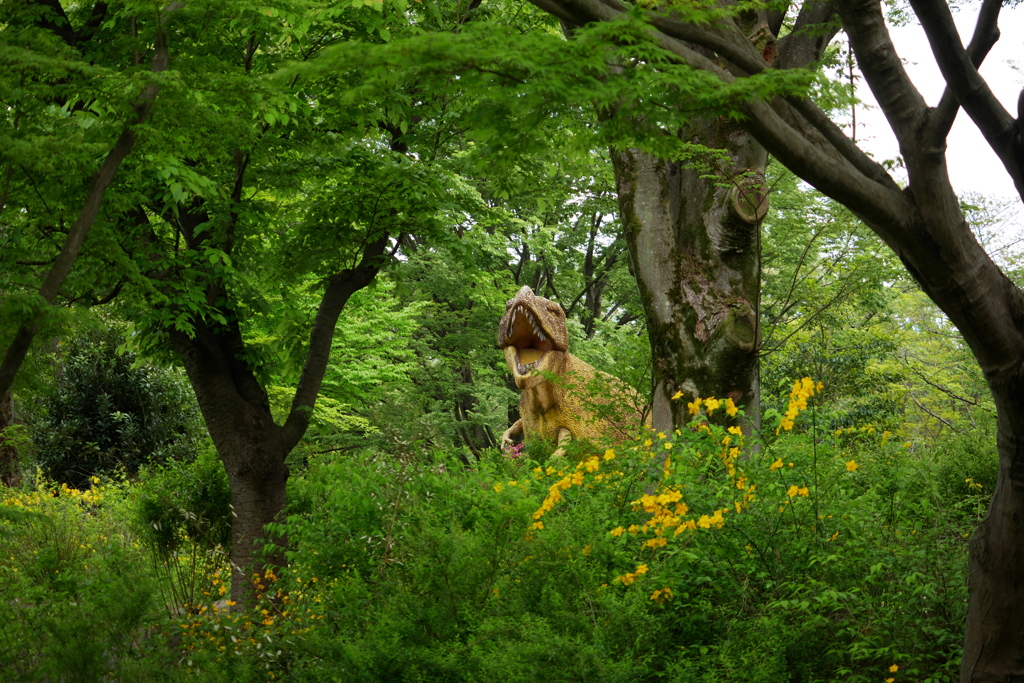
[
  {"x": 98, "y": 184},
  {"x": 237, "y": 413},
  {"x": 10, "y": 465}
]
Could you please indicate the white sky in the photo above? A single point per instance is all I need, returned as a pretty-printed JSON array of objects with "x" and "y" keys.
[{"x": 973, "y": 167}]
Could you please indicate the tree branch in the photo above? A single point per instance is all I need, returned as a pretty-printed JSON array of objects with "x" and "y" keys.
[
  {"x": 970, "y": 89},
  {"x": 883, "y": 70},
  {"x": 816, "y": 25},
  {"x": 54, "y": 19},
  {"x": 101, "y": 179},
  {"x": 986, "y": 33},
  {"x": 340, "y": 288}
]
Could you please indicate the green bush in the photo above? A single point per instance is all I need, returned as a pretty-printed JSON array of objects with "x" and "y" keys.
[
  {"x": 78, "y": 600},
  {"x": 968, "y": 466},
  {"x": 185, "y": 501},
  {"x": 692, "y": 556},
  {"x": 104, "y": 413}
]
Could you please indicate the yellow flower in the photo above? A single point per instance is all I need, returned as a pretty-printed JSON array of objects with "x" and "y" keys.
[
  {"x": 498, "y": 488},
  {"x": 641, "y": 569},
  {"x": 617, "y": 531},
  {"x": 694, "y": 406},
  {"x": 793, "y": 491},
  {"x": 735, "y": 430},
  {"x": 894, "y": 668},
  {"x": 777, "y": 465},
  {"x": 712, "y": 404},
  {"x": 890, "y": 679},
  {"x": 730, "y": 408},
  {"x": 676, "y": 396},
  {"x": 537, "y": 525},
  {"x": 851, "y": 466},
  {"x": 656, "y": 542},
  {"x": 609, "y": 454}
]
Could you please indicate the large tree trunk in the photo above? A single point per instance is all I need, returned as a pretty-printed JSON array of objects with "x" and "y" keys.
[
  {"x": 994, "y": 639},
  {"x": 251, "y": 445},
  {"x": 694, "y": 249},
  {"x": 694, "y": 242},
  {"x": 257, "y": 475}
]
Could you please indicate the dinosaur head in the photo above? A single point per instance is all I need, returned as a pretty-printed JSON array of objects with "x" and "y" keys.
[{"x": 533, "y": 335}]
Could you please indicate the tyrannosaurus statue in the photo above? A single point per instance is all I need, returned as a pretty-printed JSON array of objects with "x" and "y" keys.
[{"x": 534, "y": 338}]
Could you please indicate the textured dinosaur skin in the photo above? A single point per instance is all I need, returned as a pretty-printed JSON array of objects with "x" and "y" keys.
[{"x": 533, "y": 337}]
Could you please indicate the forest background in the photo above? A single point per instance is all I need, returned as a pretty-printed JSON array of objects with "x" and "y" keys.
[{"x": 275, "y": 169}]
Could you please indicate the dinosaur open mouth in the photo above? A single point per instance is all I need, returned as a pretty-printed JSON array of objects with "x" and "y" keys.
[{"x": 524, "y": 332}]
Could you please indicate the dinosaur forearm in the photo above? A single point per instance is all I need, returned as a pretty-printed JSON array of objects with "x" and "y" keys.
[{"x": 506, "y": 437}]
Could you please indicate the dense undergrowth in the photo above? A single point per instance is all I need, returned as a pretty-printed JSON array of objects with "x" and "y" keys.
[{"x": 814, "y": 554}]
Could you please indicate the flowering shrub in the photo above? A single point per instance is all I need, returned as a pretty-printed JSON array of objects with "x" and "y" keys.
[
  {"x": 702, "y": 503},
  {"x": 76, "y": 605},
  {"x": 815, "y": 552}
]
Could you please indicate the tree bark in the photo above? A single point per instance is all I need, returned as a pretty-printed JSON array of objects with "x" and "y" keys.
[
  {"x": 694, "y": 251},
  {"x": 10, "y": 465},
  {"x": 694, "y": 242}
]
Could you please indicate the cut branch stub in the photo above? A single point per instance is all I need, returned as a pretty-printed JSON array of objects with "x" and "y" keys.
[{"x": 748, "y": 197}]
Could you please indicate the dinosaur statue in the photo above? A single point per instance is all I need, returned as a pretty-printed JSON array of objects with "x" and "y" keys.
[{"x": 534, "y": 338}]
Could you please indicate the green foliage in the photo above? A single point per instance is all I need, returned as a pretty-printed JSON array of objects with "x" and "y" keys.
[
  {"x": 182, "y": 513},
  {"x": 817, "y": 556},
  {"x": 840, "y": 561},
  {"x": 185, "y": 502},
  {"x": 76, "y": 605},
  {"x": 105, "y": 413}
]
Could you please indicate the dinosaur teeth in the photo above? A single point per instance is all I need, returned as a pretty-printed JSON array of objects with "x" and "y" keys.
[{"x": 523, "y": 369}]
